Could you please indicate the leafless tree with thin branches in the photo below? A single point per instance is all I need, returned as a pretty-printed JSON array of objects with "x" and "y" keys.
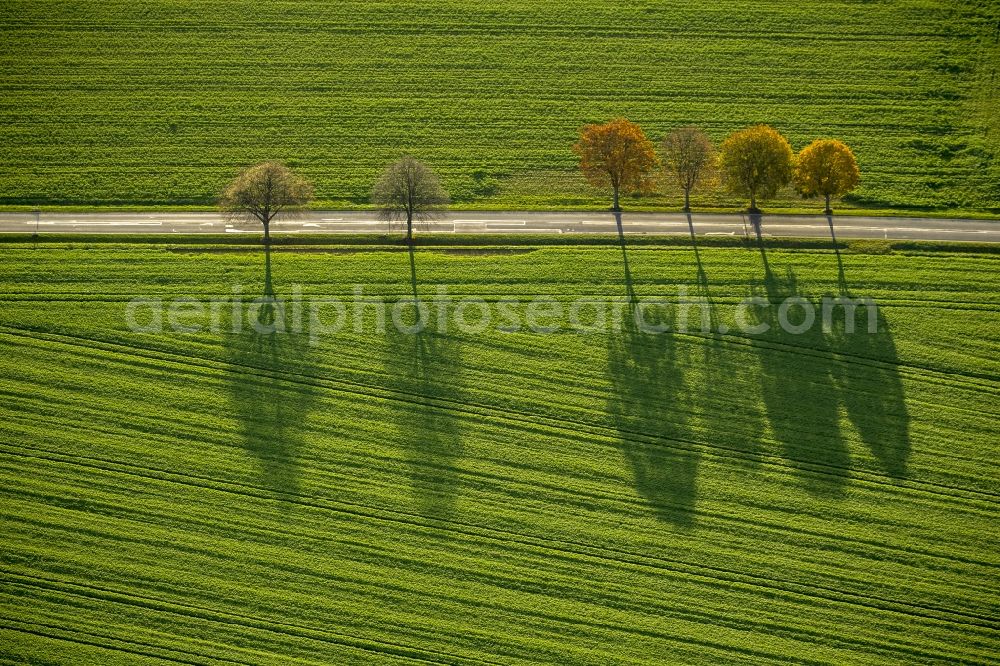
[
  {"x": 409, "y": 190},
  {"x": 263, "y": 192},
  {"x": 689, "y": 159}
]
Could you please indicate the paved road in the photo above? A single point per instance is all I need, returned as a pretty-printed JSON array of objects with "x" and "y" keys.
[{"x": 517, "y": 222}]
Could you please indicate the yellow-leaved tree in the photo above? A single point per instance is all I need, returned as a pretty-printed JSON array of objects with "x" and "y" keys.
[
  {"x": 826, "y": 168},
  {"x": 617, "y": 154},
  {"x": 756, "y": 162}
]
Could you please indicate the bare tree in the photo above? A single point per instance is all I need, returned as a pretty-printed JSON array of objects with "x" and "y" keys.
[
  {"x": 409, "y": 190},
  {"x": 264, "y": 191},
  {"x": 688, "y": 158}
]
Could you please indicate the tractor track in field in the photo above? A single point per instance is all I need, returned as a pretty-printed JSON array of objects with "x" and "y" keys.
[
  {"x": 563, "y": 424},
  {"x": 247, "y": 621},
  {"x": 571, "y": 548}
]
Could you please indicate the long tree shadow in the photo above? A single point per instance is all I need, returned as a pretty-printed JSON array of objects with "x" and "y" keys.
[
  {"x": 413, "y": 275},
  {"x": 797, "y": 384},
  {"x": 424, "y": 372},
  {"x": 871, "y": 390},
  {"x": 709, "y": 318},
  {"x": 841, "y": 277},
  {"x": 726, "y": 398},
  {"x": 629, "y": 286},
  {"x": 868, "y": 379},
  {"x": 268, "y": 388},
  {"x": 647, "y": 406}
]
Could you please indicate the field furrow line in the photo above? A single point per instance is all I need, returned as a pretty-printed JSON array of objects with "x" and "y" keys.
[
  {"x": 562, "y": 423},
  {"x": 623, "y": 498},
  {"x": 677, "y": 567},
  {"x": 371, "y": 646}
]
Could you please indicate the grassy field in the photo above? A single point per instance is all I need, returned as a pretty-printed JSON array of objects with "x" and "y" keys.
[
  {"x": 500, "y": 497},
  {"x": 160, "y": 103}
]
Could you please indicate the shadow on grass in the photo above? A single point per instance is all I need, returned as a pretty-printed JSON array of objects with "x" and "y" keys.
[
  {"x": 647, "y": 394},
  {"x": 423, "y": 369},
  {"x": 806, "y": 376},
  {"x": 869, "y": 382},
  {"x": 726, "y": 395},
  {"x": 702, "y": 279},
  {"x": 268, "y": 402},
  {"x": 629, "y": 286},
  {"x": 870, "y": 385},
  {"x": 841, "y": 276},
  {"x": 647, "y": 405},
  {"x": 800, "y": 397}
]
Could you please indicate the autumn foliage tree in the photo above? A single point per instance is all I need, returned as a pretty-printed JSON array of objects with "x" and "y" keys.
[
  {"x": 826, "y": 168},
  {"x": 616, "y": 154},
  {"x": 756, "y": 162},
  {"x": 263, "y": 192},
  {"x": 688, "y": 159}
]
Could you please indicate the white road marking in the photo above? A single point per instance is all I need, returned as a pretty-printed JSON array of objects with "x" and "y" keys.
[
  {"x": 494, "y": 221},
  {"x": 74, "y": 223},
  {"x": 538, "y": 231},
  {"x": 939, "y": 231},
  {"x": 338, "y": 224}
]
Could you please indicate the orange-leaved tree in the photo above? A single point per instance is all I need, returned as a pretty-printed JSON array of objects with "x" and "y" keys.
[
  {"x": 756, "y": 162},
  {"x": 616, "y": 153},
  {"x": 826, "y": 168}
]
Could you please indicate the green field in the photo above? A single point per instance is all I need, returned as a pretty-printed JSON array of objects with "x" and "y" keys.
[
  {"x": 502, "y": 497},
  {"x": 156, "y": 103}
]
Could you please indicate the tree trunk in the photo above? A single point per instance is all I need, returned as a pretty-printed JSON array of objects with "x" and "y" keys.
[
  {"x": 616, "y": 207},
  {"x": 753, "y": 201},
  {"x": 267, "y": 233},
  {"x": 687, "y": 200},
  {"x": 828, "y": 210},
  {"x": 409, "y": 228}
]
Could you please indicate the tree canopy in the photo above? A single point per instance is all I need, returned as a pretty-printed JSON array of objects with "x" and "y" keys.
[
  {"x": 756, "y": 162},
  {"x": 409, "y": 190},
  {"x": 826, "y": 168},
  {"x": 264, "y": 191},
  {"x": 688, "y": 158},
  {"x": 616, "y": 154}
]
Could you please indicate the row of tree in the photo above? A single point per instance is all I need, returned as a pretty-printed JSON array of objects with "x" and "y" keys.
[
  {"x": 408, "y": 190},
  {"x": 753, "y": 163}
]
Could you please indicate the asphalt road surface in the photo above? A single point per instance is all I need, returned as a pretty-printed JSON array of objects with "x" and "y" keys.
[{"x": 897, "y": 228}]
